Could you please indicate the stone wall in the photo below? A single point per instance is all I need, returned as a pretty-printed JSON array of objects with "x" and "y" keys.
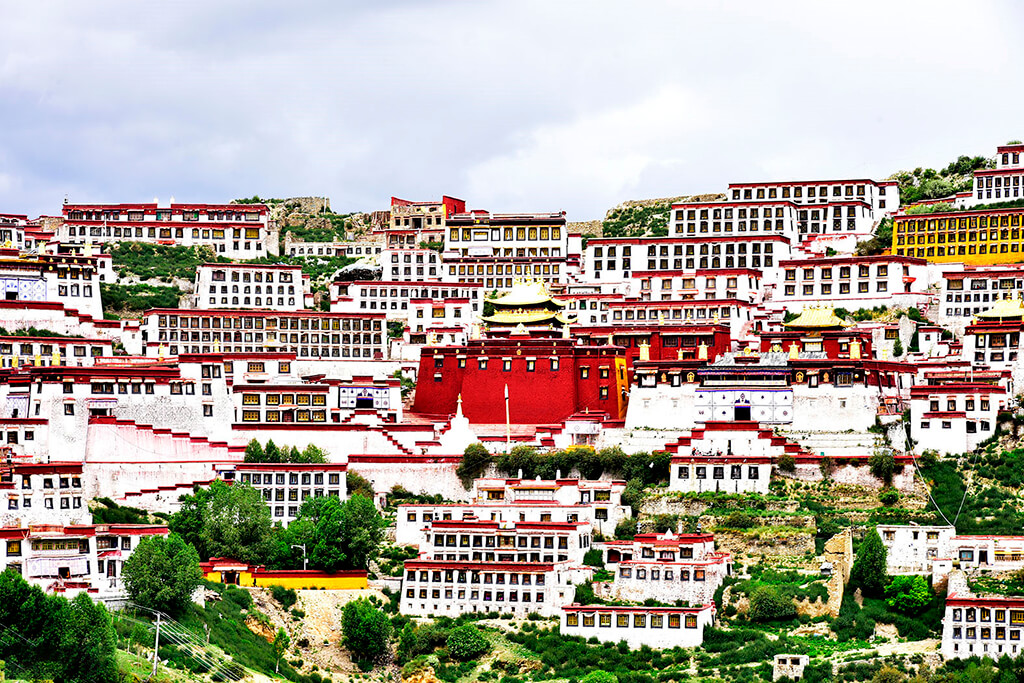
[
  {"x": 857, "y": 475},
  {"x": 426, "y": 479},
  {"x": 838, "y": 552}
]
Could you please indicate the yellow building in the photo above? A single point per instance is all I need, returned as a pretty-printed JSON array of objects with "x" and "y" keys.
[
  {"x": 226, "y": 570},
  {"x": 981, "y": 237}
]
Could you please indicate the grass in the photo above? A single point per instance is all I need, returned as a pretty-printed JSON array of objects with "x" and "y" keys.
[
  {"x": 161, "y": 262},
  {"x": 138, "y": 297}
]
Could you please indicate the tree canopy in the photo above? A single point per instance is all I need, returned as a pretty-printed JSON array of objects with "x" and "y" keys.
[
  {"x": 225, "y": 521},
  {"x": 366, "y": 632},
  {"x": 52, "y": 638},
  {"x": 163, "y": 573},
  {"x": 869, "y": 571}
]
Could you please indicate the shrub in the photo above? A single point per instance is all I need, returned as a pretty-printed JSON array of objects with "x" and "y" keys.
[
  {"x": 285, "y": 596},
  {"x": 466, "y": 642},
  {"x": 883, "y": 465},
  {"x": 767, "y": 603},
  {"x": 889, "y": 496},
  {"x": 593, "y": 558},
  {"x": 787, "y": 463},
  {"x": 908, "y": 594},
  {"x": 625, "y": 530},
  {"x": 475, "y": 461},
  {"x": 600, "y": 677}
]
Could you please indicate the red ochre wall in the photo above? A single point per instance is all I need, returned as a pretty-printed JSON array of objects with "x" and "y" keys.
[{"x": 540, "y": 396}]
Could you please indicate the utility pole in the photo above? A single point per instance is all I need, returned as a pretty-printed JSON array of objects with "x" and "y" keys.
[
  {"x": 156, "y": 646},
  {"x": 305, "y": 560}
]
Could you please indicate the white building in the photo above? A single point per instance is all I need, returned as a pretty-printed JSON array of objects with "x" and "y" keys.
[
  {"x": 721, "y": 473},
  {"x": 852, "y": 282},
  {"x": 966, "y": 292},
  {"x": 67, "y": 560},
  {"x": 987, "y": 626},
  {"x": 393, "y": 297},
  {"x": 1002, "y": 183},
  {"x": 655, "y": 627},
  {"x": 308, "y": 334},
  {"x": 410, "y": 265},
  {"x": 251, "y": 286},
  {"x": 596, "y": 503},
  {"x": 241, "y": 231},
  {"x": 469, "y": 540},
  {"x": 912, "y": 548},
  {"x": 955, "y": 418},
  {"x": 286, "y": 486},
  {"x": 666, "y": 567},
  {"x": 433, "y": 588}
]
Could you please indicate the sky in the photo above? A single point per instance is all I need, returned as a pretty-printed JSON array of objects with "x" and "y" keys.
[{"x": 513, "y": 106}]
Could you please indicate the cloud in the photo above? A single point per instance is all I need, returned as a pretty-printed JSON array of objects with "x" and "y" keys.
[{"x": 512, "y": 104}]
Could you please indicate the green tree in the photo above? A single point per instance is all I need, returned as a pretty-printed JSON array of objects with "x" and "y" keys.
[
  {"x": 187, "y": 522},
  {"x": 281, "y": 643},
  {"x": 53, "y": 639},
  {"x": 271, "y": 453},
  {"x": 315, "y": 454},
  {"x": 163, "y": 573},
  {"x": 225, "y": 521},
  {"x": 869, "y": 568},
  {"x": 366, "y": 632},
  {"x": 882, "y": 464},
  {"x": 908, "y": 594},
  {"x": 897, "y": 348},
  {"x": 87, "y": 645},
  {"x": 786, "y": 462},
  {"x": 341, "y": 535},
  {"x": 466, "y": 643},
  {"x": 593, "y": 558},
  {"x": 358, "y": 484},
  {"x": 475, "y": 460},
  {"x": 253, "y": 451},
  {"x": 768, "y": 604}
]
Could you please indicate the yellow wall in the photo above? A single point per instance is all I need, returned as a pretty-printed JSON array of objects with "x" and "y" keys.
[
  {"x": 1002, "y": 232},
  {"x": 244, "y": 578},
  {"x": 321, "y": 582}
]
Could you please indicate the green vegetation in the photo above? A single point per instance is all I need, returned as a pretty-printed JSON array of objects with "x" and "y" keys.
[
  {"x": 989, "y": 507},
  {"x": 633, "y": 220},
  {"x": 475, "y": 461},
  {"x": 927, "y": 183},
  {"x": 466, "y": 642},
  {"x": 869, "y": 568},
  {"x": 106, "y": 511},
  {"x": 881, "y": 240},
  {"x": 907, "y": 594},
  {"x": 48, "y": 637},
  {"x": 286, "y": 596},
  {"x": 646, "y": 468},
  {"x": 162, "y": 573},
  {"x": 225, "y": 521},
  {"x": 357, "y": 483},
  {"x": 136, "y": 298},
  {"x": 161, "y": 262},
  {"x": 225, "y": 620},
  {"x": 337, "y": 535},
  {"x": 767, "y": 603},
  {"x": 31, "y": 332},
  {"x": 366, "y": 632},
  {"x": 254, "y": 452}
]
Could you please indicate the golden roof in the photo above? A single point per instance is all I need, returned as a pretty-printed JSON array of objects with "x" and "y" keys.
[
  {"x": 526, "y": 293},
  {"x": 525, "y": 317},
  {"x": 812, "y": 316},
  {"x": 1004, "y": 308}
]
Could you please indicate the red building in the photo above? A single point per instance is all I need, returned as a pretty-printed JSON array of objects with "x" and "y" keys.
[{"x": 548, "y": 380}]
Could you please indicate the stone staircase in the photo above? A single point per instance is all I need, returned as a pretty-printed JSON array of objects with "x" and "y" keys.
[{"x": 835, "y": 444}]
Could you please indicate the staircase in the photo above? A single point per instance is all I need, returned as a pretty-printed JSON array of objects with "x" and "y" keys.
[{"x": 836, "y": 444}]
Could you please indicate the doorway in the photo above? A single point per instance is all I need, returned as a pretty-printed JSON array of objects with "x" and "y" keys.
[
  {"x": 982, "y": 557},
  {"x": 741, "y": 413}
]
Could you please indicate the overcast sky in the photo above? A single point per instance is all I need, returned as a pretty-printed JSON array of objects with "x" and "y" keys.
[{"x": 513, "y": 106}]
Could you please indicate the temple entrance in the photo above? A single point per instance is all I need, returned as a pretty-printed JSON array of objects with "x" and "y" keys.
[
  {"x": 982, "y": 557},
  {"x": 741, "y": 413},
  {"x": 229, "y": 577}
]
